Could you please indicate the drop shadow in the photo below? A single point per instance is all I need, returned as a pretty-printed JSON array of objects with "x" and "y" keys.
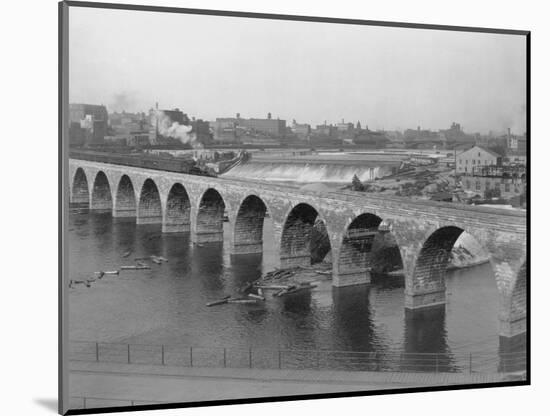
[{"x": 48, "y": 404}]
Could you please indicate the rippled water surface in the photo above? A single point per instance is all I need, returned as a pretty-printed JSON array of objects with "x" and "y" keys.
[{"x": 167, "y": 304}]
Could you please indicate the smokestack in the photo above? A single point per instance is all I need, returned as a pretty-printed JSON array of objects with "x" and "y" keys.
[
  {"x": 508, "y": 132},
  {"x": 269, "y": 116},
  {"x": 157, "y": 123}
]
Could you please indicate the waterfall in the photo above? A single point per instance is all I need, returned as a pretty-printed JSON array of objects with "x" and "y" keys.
[{"x": 304, "y": 172}]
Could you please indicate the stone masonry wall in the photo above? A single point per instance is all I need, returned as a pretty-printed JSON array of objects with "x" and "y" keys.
[{"x": 502, "y": 233}]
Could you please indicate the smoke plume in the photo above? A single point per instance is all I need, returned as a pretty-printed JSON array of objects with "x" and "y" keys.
[{"x": 173, "y": 129}]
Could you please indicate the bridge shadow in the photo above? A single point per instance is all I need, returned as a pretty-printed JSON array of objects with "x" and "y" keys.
[
  {"x": 207, "y": 265},
  {"x": 245, "y": 268},
  {"x": 353, "y": 318}
]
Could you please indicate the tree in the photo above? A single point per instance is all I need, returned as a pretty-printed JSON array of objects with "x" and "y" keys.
[{"x": 356, "y": 184}]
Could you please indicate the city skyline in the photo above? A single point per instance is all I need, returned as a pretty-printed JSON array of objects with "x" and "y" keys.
[{"x": 386, "y": 78}]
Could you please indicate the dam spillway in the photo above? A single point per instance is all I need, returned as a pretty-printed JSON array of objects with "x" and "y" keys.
[{"x": 309, "y": 170}]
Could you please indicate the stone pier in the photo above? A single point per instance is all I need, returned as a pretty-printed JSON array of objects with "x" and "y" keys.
[{"x": 423, "y": 232}]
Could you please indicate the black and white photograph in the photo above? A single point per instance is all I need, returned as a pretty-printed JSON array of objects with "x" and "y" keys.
[{"x": 274, "y": 207}]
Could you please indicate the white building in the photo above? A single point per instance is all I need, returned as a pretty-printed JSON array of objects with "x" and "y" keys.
[{"x": 477, "y": 156}]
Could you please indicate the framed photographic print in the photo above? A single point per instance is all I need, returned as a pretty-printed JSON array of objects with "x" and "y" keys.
[{"x": 263, "y": 207}]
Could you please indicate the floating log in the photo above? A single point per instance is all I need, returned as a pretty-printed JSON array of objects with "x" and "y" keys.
[
  {"x": 157, "y": 261},
  {"x": 79, "y": 282},
  {"x": 101, "y": 274},
  {"x": 325, "y": 272},
  {"x": 246, "y": 287},
  {"x": 260, "y": 291},
  {"x": 217, "y": 302},
  {"x": 162, "y": 258},
  {"x": 134, "y": 267},
  {"x": 252, "y": 295},
  {"x": 296, "y": 290},
  {"x": 242, "y": 301},
  {"x": 283, "y": 291},
  {"x": 111, "y": 272},
  {"x": 141, "y": 264},
  {"x": 127, "y": 253},
  {"x": 268, "y": 287}
]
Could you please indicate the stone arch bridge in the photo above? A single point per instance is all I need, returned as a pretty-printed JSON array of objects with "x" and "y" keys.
[{"x": 423, "y": 231}]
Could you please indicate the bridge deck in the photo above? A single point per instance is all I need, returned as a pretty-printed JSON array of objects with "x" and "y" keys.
[{"x": 496, "y": 218}]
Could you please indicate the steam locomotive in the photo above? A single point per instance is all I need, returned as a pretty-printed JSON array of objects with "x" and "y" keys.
[{"x": 142, "y": 160}]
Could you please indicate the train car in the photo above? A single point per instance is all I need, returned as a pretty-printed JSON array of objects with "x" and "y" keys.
[{"x": 142, "y": 161}]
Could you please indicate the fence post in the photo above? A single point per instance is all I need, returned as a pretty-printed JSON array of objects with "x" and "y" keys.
[
  {"x": 97, "y": 351},
  {"x": 224, "y": 358},
  {"x": 318, "y": 359},
  {"x": 162, "y": 353},
  {"x": 470, "y": 363},
  {"x": 84, "y": 402},
  {"x": 250, "y": 358},
  {"x": 279, "y": 359},
  {"x": 131, "y": 402},
  {"x": 128, "y": 353},
  {"x": 436, "y": 362},
  {"x": 191, "y": 356}
]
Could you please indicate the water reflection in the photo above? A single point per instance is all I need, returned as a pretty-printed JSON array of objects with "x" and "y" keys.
[
  {"x": 167, "y": 304},
  {"x": 353, "y": 319},
  {"x": 425, "y": 332}
]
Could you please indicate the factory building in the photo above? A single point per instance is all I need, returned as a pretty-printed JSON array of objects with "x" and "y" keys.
[
  {"x": 88, "y": 124},
  {"x": 231, "y": 129}
]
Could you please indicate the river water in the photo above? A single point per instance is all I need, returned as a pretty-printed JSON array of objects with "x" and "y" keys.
[{"x": 167, "y": 304}]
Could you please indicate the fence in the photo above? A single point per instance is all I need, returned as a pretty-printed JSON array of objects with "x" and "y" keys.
[
  {"x": 262, "y": 358},
  {"x": 89, "y": 402}
]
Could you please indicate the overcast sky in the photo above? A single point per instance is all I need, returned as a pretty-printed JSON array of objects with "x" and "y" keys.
[{"x": 211, "y": 66}]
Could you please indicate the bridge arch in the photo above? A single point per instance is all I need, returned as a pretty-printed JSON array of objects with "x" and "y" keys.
[
  {"x": 296, "y": 236},
  {"x": 80, "y": 193},
  {"x": 514, "y": 313},
  {"x": 149, "y": 206},
  {"x": 125, "y": 201},
  {"x": 101, "y": 193},
  {"x": 426, "y": 285},
  {"x": 210, "y": 215},
  {"x": 249, "y": 225},
  {"x": 365, "y": 249},
  {"x": 177, "y": 216},
  {"x": 519, "y": 294}
]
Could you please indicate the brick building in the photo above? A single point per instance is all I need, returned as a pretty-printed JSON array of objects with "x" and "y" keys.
[
  {"x": 509, "y": 187},
  {"x": 231, "y": 129}
]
